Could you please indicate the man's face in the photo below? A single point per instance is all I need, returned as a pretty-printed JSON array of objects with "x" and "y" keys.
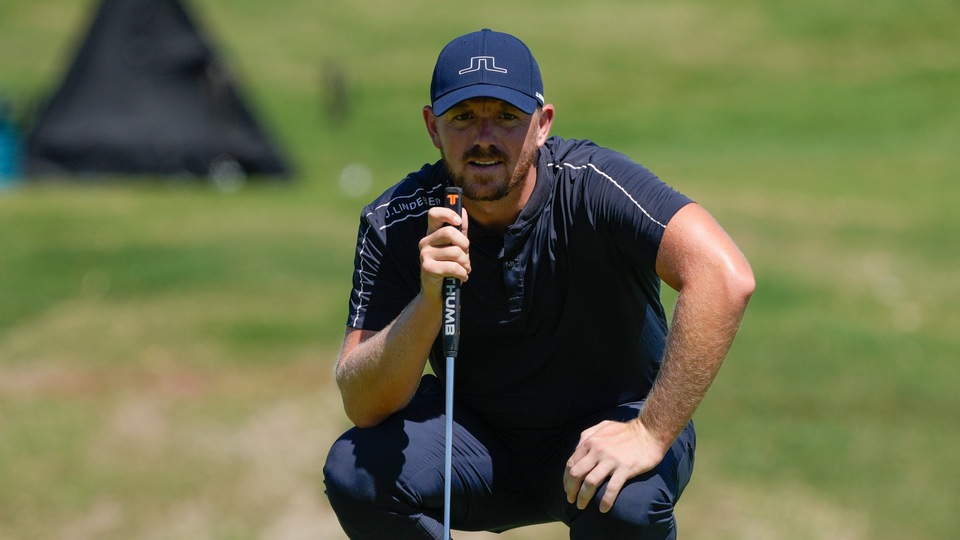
[{"x": 488, "y": 146}]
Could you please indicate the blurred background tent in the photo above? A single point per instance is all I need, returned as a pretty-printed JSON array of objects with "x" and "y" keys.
[{"x": 146, "y": 94}]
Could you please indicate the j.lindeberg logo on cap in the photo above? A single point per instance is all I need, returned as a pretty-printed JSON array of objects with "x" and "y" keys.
[{"x": 477, "y": 63}]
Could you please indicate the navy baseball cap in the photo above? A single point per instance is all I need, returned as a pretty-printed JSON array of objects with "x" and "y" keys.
[{"x": 486, "y": 64}]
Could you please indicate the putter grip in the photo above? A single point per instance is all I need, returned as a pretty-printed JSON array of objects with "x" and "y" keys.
[{"x": 451, "y": 287}]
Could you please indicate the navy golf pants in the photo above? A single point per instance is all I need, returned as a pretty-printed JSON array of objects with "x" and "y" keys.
[{"x": 386, "y": 482}]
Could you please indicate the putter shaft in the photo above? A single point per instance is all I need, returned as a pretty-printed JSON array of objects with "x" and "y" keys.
[{"x": 448, "y": 449}]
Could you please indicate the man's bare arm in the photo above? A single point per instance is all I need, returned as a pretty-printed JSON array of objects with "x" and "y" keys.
[
  {"x": 715, "y": 281},
  {"x": 378, "y": 372}
]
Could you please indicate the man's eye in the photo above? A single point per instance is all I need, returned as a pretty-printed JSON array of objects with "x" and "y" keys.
[
  {"x": 508, "y": 116},
  {"x": 462, "y": 117}
]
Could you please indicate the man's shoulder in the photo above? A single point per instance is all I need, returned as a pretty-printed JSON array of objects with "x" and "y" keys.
[
  {"x": 580, "y": 151},
  {"x": 560, "y": 149},
  {"x": 410, "y": 198}
]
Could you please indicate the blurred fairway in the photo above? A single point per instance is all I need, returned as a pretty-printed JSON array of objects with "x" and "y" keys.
[{"x": 165, "y": 348}]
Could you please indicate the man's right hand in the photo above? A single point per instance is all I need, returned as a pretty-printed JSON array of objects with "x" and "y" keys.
[{"x": 444, "y": 251}]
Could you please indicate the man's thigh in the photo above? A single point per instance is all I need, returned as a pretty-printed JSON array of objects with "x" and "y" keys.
[{"x": 398, "y": 466}]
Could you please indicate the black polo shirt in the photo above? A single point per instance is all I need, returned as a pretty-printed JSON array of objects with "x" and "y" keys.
[{"x": 561, "y": 316}]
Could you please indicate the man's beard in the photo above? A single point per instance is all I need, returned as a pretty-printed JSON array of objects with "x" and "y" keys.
[{"x": 478, "y": 190}]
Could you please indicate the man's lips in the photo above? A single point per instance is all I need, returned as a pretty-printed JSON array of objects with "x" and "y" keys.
[
  {"x": 484, "y": 158},
  {"x": 485, "y": 163}
]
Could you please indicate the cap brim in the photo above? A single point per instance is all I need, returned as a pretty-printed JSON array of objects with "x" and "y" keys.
[{"x": 519, "y": 100}]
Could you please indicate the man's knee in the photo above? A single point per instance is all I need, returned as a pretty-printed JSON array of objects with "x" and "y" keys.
[
  {"x": 643, "y": 510},
  {"x": 361, "y": 489},
  {"x": 643, "y": 514},
  {"x": 347, "y": 485},
  {"x": 645, "y": 507}
]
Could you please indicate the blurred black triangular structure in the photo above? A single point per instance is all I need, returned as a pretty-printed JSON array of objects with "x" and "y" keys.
[{"x": 146, "y": 95}]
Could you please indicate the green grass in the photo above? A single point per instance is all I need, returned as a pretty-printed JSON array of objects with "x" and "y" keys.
[{"x": 165, "y": 348}]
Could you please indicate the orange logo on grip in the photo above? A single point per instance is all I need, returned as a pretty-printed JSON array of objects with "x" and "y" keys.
[{"x": 452, "y": 197}]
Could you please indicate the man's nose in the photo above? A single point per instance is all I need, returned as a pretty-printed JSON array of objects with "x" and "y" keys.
[{"x": 485, "y": 131}]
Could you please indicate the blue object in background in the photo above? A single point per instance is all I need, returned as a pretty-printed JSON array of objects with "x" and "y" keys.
[{"x": 10, "y": 149}]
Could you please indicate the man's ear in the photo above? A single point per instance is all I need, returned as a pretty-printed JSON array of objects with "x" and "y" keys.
[
  {"x": 430, "y": 120},
  {"x": 546, "y": 120}
]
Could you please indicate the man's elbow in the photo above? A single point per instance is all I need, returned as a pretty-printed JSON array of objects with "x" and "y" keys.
[
  {"x": 365, "y": 407},
  {"x": 356, "y": 408},
  {"x": 361, "y": 414},
  {"x": 741, "y": 284},
  {"x": 364, "y": 420}
]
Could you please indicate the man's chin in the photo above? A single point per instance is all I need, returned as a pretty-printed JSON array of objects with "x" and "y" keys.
[
  {"x": 483, "y": 188},
  {"x": 485, "y": 195}
]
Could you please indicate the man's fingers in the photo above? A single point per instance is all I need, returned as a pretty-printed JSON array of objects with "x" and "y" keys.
[
  {"x": 573, "y": 474},
  {"x": 446, "y": 236},
  {"x": 444, "y": 251},
  {"x": 599, "y": 458},
  {"x": 439, "y": 216},
  {"x": 579, "y": 465},
  {"x": 582, "y": 490},
  {"x": 465, "y": 221},
  {"x": 582, "y": 476},
  {"x": 591, "y": 484},
  {"x": 571, "y": 485},
  {"x": 614, "y": 485}
]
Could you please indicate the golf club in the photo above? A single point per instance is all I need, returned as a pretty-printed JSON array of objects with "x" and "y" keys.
[{"x": 451, "y": 341}]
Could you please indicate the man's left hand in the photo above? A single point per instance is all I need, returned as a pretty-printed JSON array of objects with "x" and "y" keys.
[{"x": 613, "y": 452}]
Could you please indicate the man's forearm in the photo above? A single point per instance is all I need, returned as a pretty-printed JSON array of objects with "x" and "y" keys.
[
  {"x": 379, "y": 375},
  {"x": 704, "y": 326}
]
